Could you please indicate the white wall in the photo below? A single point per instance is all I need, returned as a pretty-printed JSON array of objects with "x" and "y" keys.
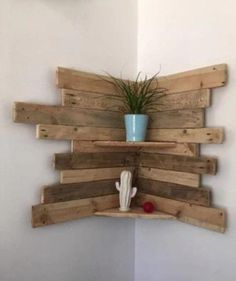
[
  {"x": 182, "y": 35},
  {"x": 36, "y": 37}
]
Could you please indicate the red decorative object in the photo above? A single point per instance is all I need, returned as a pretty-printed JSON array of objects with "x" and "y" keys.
[{"x": 148, "y": 207}]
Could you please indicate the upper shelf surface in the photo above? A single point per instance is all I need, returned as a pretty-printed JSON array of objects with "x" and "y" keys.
[{"x": 135, "y": 144}]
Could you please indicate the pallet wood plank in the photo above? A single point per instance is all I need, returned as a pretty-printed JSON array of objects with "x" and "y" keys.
[
  {"x": 73, "y": 191},
  {"x": 139, "y": 144},
  {"x": 210, "y": 218},
  {"x": 198, "y": 196},
  {"x": 199, "y": 135},
  {"x": 61, "y": 115},
  {"x": 46, "y": 214},
  {"x": 197, "y": 165},
  {"x": 61, "y": 132},
  {"x": 202, "y": 78},
  {"x": 182, "y": 178},
  {"x": 85, "y": 175},
  {"x": 68, "y": 161}
]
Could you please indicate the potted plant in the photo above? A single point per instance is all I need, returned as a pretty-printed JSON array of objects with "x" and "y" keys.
[{"x": 139, "y": 97}]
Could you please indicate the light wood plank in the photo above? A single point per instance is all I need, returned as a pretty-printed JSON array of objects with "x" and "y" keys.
[
  {"x": 202, "y": 78},
  {"x": 198, "y": 196},
  {"x": 136, "y": 213},
  {"x": 68, "y": 161},
  {"x": 84, "y": 175},
  {"x": 73, "y": 191},
  {"x": 197, "y": 165},
  {"x": 201, "y": 135},
  {"x": 61, "y": 115},
  {"x": 210, "y": 218},
  {"x": 46, "y": 214},
  {"x": 60, "y": 132},
  {"x": 135, "y": 144},
  {"x": 182, "y": 178}
]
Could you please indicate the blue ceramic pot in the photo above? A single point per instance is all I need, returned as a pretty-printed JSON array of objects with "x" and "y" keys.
[{"x": 136, "y": 127}]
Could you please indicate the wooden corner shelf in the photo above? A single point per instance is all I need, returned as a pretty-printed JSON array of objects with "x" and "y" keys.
[
  {"x": 134, "y": 213},
  {"x": 134, "y": 144}
]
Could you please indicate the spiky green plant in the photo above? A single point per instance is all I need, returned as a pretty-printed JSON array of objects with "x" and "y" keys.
[{"x": 139, "y": 96}]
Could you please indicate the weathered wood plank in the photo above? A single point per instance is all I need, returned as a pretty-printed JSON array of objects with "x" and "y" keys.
[
  {"x": 68, "y": 161},
  {"x": 61, "y": 115},
  {"x": 198, "y": 165},
  {"x": 201, "y": 135},
  {"x": 60, "y": 132},
  {"x": 73, "y": 191},
  {"x": 84, "y": 175},
  {"x": 185, "y": 100},
  {"x": 182, "y": 178},
  {"x": 90, "y": 100},
  {"x": 210, "y": 218},
  {"x": 188, "y": 118},
  {"x": 135, "y": 144},
  {"x": 198, "y": 196},
  {"x": 46, "y": 214},
  {"x": 202, "y": 78},
  {"x": 84, "y": 81}
]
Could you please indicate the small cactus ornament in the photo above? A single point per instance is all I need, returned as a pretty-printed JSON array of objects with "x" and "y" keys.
[{"x": 126, "y": 191}]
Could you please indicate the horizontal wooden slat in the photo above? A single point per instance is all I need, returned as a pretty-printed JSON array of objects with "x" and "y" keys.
[
  {"x": 210, "y": 218},
  {"x": 202, "y": 78},
  {"x": 139, "y": 144},
  {"x": 84, "y": 81},
  {"x": 201, "y": 135},
  {"x": 183, "y": 178},
  {"x": 73, "y": 191},
  {"x": 67, "y": 161},
  {"x": 198, "y": 165},
  {"x": 83, "y": 175},
  {"x": 199, "y": 196},
  {"x": 90, "y": 100},
  {"x": 60, "y": 132},
  {"x": 61, "y": 115},
  {"x": 45, "y": 214}
]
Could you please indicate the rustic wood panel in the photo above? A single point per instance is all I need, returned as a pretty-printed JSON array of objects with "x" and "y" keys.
[
  {"x": 139, "y": 144},
  {"x": 60, "y": 132},
  {"x": 198, "y": 196},
  {"x": 73, "y": 191},
  {"x": 68, "y": 161},
  {"x": 198, "y": 165},
  {"x": 46, "y": 214},
  {"x": 210, "y": 218},
  {"x": 202, "y": 78},
  {"x": 92, "y": 100},
  {"x": 185, "y": 100},
  {"x": 189, "y": 118},
  {"x": 183, "y": 178},
  {"x": 201, "y": 135},
  {"x": 84, "y": 175},
  {"x": 61, "y": 115},
  {"x": 84, "y": 81}
]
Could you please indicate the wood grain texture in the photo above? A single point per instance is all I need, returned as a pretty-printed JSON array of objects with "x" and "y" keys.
[
  {"x": 46, "y": 214},
  {"x": 84, "y": 175},
  {"x": 201, "y": 135},
  {"x": 60, "y": 132},
  {"x": 61, "y": 115},
  {"x": 202, "y": 78},
  {"x": 68, "y": 161},
  {"x": 183, "y": 178},
  {"x": 210, "y": 218},
  {"x": 185, "y": 100},
  {"x": 84, "y": 81},
  {"x": 139, "y": 144},
  {"x": 198, "y": 165},
  {"x": 198, "y": 196},
  {"x": 73, "y": 191},
  {"x": 90, "y": 100}
]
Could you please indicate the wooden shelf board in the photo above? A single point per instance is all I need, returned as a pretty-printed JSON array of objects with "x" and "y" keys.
[
  {"x": 134, "y": 144},
  {"x": 134, "y": 213}
]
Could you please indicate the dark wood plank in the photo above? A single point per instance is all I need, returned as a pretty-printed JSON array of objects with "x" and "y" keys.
[
  {"x": 67, "y": 161},
  {"x": 198, "y": 196},
  {"x": 198, "y": 165}
]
